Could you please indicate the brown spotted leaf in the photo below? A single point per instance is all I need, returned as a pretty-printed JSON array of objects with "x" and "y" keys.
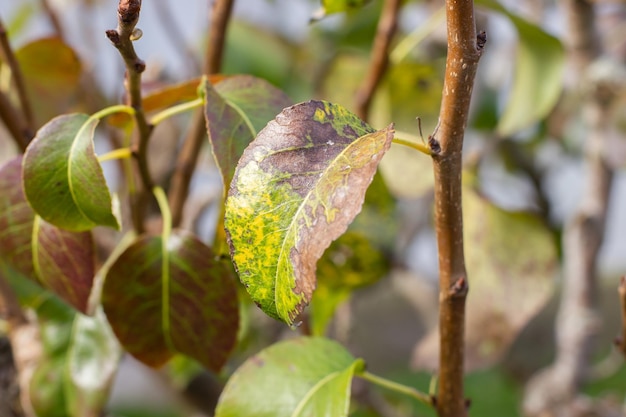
[
  {"x": 296, "y": 189},
  {"x": 167, "y": 297}
]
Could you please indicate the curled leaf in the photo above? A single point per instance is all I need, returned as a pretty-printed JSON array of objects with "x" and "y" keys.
[{"x": 297, "y": 187}]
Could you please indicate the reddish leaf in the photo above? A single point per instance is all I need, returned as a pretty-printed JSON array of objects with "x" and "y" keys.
[
  {"x": 181, "y": 300},
  {"x": 65, "y": 262},
  {"x": 16, "y": 219}
]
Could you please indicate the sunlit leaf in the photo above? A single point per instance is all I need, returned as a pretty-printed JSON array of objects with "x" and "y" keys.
[
  {"x": 296, "y": 378},
  {"x": 181, "y": 300},
  {"x": 236, "y": 110},
  {"x": 16, "y": 220},
  {"x": 538, "y": 79},
  {"x": 296, "y": 189},
  {"x": 63, "y": 180},
  {"x": 52, "y": 72},
  {"x": 338, "y": 6},
  {"x": 91, "y": 364}
]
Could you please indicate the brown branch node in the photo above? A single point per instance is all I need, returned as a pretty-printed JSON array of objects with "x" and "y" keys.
[{"x": 481, "y": 40}]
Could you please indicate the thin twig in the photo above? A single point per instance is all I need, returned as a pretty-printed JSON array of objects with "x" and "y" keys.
[
  {"x": 464, "y": 51},
  {"x": 54, "y": 18},
  {"x": 24, "y": 123},
  {"x": 188, "y": 157},
  {"x": 380, "y": 57},
  {"x": 128, "y": 15}
]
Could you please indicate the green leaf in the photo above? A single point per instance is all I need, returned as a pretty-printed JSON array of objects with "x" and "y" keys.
[
  {"x": 338, "y": 6},
  {"x": 52, "y": 72},
  {"x": 16, "y": 220},
  {"x": 349, "y": 263},
  {"x": 236, "y": 110},
  {"x": 538, "y": 79},
  {"x": 46, "y": 389},
  {"x": 295, "y": 190},
  {"x": 181, "y": 300},
  {"x": 63, "y": 179},
  {"x": 65, "y": 262},
  {"x": 295, "y": 378}
]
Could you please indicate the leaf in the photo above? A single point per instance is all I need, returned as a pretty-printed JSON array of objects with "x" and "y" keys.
[
  {"x": 91, "y": 364},
  {"x": 52, "y": 72},
  {"x": 538, "y": 79},
  {"x": 349, "y": 263},
  {"x": 65, "y": 263},
  {"x": 181, "y": 300},
  {"x": 237, "y": 108},
  {"x": 512, "y": 264},
  {"x": 16, "y": 220},
  {"x": 295, "y": 190},
  {"x": 63, "y": 180},
  {"x": 337, "y": 6},
  {"x": 295, "y": 378}
]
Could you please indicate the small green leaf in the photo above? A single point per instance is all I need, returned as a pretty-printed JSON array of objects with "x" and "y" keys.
[
  {"x": 338, "y": 6},
  {"x": 236, "y": 110},
  {"x": 538, "y": 79},
  {"x": 16, "y": 220},
  {"x": 295, "y": 378},
  {"x": 296, "y": 189},
  {"x": 182, "y": 300},
  {"x": 63, "y": 180}
]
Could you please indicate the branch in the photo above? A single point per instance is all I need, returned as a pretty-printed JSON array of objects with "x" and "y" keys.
[
  {"x": 464, "y": 51},
  {"x": 379, "y": 62},
  {"x": 128, "y": 16},
  {"x": 188, "y": 157},
  {"x": 21, "y": 125},
  {"x": 54, "y": 18}
]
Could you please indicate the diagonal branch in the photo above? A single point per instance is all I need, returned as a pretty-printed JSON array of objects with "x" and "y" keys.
[
  {"x": 379, "y": 61},
  {"x": 621, "y": 290},
  {"x": 464, "y": 51},
  {"x": 21, "y": 125},
  {"x": 188, "y": 157}
]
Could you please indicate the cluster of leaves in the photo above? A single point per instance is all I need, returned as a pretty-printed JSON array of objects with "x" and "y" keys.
[{"x": 296, "y": 176}]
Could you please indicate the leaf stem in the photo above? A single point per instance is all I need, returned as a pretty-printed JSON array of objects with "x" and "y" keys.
[
  {"x": 118, "y": 108},
  {"x": 395, "y": 386},
  {"x": 174, "y": 110},
  {"x": 166, "y": 214},
  {"x": 122, "y": 153},
  {"x": 423, "y": 148}
]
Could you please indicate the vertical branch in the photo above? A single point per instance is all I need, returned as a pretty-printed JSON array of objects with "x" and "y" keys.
[
  {"x": 464, "y": 51},
  {"x": 379, "y": 61},
  {"x": 54, "y": 18},
  {"x": 188, "y": 157},
  {"x": 122, "y": 38}
]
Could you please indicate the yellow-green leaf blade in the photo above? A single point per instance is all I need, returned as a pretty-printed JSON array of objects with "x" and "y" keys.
[
  {"x": 296, "y": 189},
  {"x": 63, "y": 180},
  {"x": 295, "y": 378}
]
